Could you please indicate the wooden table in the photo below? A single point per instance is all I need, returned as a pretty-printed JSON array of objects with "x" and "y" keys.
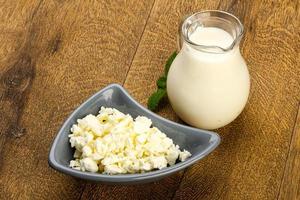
[{"x": 54, "y": 54}]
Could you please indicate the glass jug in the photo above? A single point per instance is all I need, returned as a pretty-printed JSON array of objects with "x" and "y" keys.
[{"x": 208, "y": 82}]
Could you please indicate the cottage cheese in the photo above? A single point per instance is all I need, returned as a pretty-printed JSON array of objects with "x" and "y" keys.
[{"x": 114, "y": 143}]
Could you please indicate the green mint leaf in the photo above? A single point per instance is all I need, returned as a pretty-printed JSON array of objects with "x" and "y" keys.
[
  {"x": 155, "y": 98},
  {"x": 162, "y": 82},
  {"x": 169, "y": 62}
]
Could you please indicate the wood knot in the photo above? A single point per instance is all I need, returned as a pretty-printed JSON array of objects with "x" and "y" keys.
[
  {"x": 55, "y": 44},
  {"x": 16, "y": 81},
  {"x": 250, "y": 27},
  {"x": 16, "y": 131},
  {"x": 18, "y": 76}
]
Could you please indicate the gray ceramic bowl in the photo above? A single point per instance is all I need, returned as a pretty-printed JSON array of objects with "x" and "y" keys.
[{"x": 199, "y": 142}]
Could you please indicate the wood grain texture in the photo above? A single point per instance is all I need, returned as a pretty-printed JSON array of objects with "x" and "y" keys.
[
  {"x": 55, "y": 54},
  {"x": 290, "y": 186},
  {"x": 13, "y": 26},
  {"x": 163, "y": 189}
]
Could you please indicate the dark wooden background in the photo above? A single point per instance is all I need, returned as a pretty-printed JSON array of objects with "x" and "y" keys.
[{"x": 56, "y": 53}]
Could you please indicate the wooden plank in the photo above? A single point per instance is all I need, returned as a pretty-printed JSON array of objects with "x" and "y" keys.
[
  {"x": 13, "y": 27},
  {"x": 290, "y": 185},
  {"x": 67, "y": 51},
  {"x": 157, "y": 43},
  {"x": 250, "y": 160},
  {"x": 14, "y": 16},
  {"x": 159, "y": 190}
]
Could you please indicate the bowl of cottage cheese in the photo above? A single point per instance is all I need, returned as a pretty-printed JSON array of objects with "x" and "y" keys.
[
  {"x": 111, "y": 138},
  {"x": 114, "y": 143}
]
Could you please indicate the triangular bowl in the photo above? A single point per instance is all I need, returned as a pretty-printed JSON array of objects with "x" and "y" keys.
[{"x": 199, "y": 142}]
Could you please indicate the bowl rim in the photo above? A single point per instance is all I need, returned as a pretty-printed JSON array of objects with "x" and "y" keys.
[{"x": 214, "y": 142}]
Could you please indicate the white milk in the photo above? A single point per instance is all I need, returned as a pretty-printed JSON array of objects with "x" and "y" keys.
[
  {"x": 211, "y": 36},
  {"x": 208, "y": 90}
]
